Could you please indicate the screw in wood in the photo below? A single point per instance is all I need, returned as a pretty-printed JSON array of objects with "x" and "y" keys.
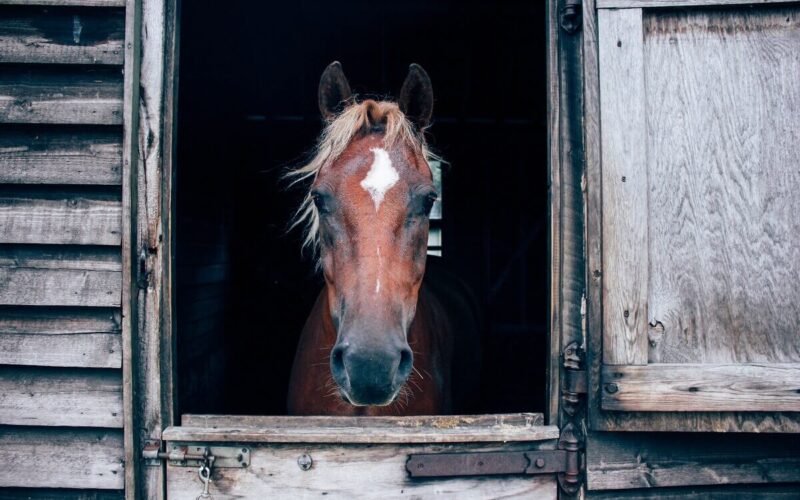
[
  {"x": 611, "y": 388},
  {"x": 305, "y": 461}
]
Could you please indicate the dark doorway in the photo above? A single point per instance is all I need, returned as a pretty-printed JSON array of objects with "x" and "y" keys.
[{"x": 247, "y": 110}]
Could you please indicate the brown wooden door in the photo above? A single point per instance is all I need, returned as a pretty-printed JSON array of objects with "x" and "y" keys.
[{"x": 693, "y": 142}]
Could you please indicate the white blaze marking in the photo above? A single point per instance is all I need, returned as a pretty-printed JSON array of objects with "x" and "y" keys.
[
  {"x": 380, "y": 268},
  {"x": 381, "y": 176}
]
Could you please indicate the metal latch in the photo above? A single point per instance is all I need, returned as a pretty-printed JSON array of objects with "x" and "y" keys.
[
  {"x": 181, "y": 455},
  {"x": 422, "y": 465}
]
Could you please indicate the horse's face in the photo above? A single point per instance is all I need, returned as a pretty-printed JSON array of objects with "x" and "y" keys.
[{"x": 373, "y": 202}]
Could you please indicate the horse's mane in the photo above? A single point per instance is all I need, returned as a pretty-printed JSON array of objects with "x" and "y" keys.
[{"x": 355, "y": 119}]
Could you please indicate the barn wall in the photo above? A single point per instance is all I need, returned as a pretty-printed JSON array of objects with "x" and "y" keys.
[{"x": 61, "y": 130}]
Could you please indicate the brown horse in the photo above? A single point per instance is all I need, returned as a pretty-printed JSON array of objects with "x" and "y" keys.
[{"x": 378, "y": 341}]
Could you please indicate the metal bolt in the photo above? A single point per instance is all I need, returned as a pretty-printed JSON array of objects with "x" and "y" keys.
[
  {"x": 626, "y": 313},
  {"x": 612, "y": 388},
  {"x": 539, "y": 463},
  {"x": 305, "y": 461}
]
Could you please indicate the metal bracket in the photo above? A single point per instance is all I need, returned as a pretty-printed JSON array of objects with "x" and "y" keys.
[
  {"x": 432, "y": 465},
  {"x": 234, "y": 457},
  {"x": 569, "y": 16}
]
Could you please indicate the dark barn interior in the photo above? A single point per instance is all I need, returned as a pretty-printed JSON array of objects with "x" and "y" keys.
[{"x": 247, "y": 110}]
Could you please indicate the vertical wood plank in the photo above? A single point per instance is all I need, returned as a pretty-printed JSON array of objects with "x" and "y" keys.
[{"x": 624, "y": 178}]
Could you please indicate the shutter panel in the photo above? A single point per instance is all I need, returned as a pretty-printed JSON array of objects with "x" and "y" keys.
[{"x": 699, "y": 265}]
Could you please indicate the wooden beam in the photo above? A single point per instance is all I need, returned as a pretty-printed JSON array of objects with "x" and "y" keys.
[
  {"x": 61, "y": 458},
  {"x": 655, "y": 460},
  {"x": 59, "y": 320},
  {"x": 66, "y": 95},
  {"x": 644, "y": 4},
  {"x": 50, "y": 155},
  {"x": 702, "y": 387},
  {"x": 61, "y": 36},
  {"x": 67, "y": 3},
  {"x": 446, "y": 429},
  {"x": 58, "y": 494},
  {"x": 624, "y": 186},
  {"x": 63, "y": 217},
  {"x": 58, "y": 397}
]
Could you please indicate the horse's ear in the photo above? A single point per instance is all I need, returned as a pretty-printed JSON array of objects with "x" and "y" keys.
[
  {"x": 333, "y": 90},
  {"x": 416, "y": 96}
]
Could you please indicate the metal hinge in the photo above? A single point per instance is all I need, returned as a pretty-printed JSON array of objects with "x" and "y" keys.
[
  {"x": 427, "y": 465},
  {"x": 194, "y": 456}
]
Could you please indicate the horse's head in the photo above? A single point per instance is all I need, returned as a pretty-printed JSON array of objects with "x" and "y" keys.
[{"x": 367, "y": 210}]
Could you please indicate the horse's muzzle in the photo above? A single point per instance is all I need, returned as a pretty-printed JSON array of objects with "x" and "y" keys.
[{"x": 370, "y": 376}]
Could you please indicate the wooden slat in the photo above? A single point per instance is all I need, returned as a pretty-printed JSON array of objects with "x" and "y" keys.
[
  {"x": 702, "y": 387},
  {"x": 61, "y": 95},
  {"x": 654, "y": 460},
  {"x": 624, "y": 185},
  {"x": 59, "y": 494},
  {"x": 61, "y": 36},
  {"x": 58, "y": 397},
  {"x": 61, "y": 458},
  {"x": 71, "y": 276},
  {"x": 67, "y": 3},
  {"x": 717, "y": 492},
  {"x": 449, "y": 429},
  {"x": 60, "y": 156},
  {"x": 641, "y": 4},
  {"x": 60, "y": 217},
  {"x": 58, "y": 321},
  {"x": 352, "y": 472}
]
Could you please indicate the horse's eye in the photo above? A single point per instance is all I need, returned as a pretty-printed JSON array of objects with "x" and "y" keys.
[
  {"x": 428, "y": 203},
  {"x": 319, "y": 200}
]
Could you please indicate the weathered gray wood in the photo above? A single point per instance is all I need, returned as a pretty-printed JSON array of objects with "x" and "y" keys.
[
  {"x": 624, "y": 185},
  {"x": 60, "y": 217},
  {"x": 61, "y": 36},
  {"x": 640, "y": 4},
  {"x": 65, "y": 398},
  {"x": 58, "y": 320},
  {"x": 717, "y": 492},
  {"x": 702, "y": 387},
  {"x": 61, "y": 458},
  {"x": 67, "y": 3},
  {"x": 59, "y": 287},
  {"x": 624, "y": 461},
  {"x": 88, "y": 350},
  {"x": 445, "y": 429},
  {"x": 58, "y": 494},
  {"x": 61, "y": 257},
  {"x": 723, "y": 119},
  {"x": 33, "y": 94},
  {"x": 352, "y": 472},
  {"x": 60, "y": 156}
]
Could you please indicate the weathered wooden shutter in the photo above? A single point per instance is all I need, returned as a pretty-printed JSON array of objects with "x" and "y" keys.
[
  {"x": 693, "y": 142},
  {"x": 61, "y": 266}
]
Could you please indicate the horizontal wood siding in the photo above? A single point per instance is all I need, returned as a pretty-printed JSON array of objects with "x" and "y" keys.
[
  {"x": 60, "y": 155},
  {"x": 61, "y": 36},
  {"x": 38, "y": 457},
  {"x": 61, "y": 396}
]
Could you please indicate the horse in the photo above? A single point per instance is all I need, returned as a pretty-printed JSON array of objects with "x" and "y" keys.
[{"x": 378, "y": 341}]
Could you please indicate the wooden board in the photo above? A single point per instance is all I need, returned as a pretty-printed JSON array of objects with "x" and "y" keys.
[
  {"x": 88, "y": 350},
  {"x": 723, "y": 113},
  {"x": 67, "y": 3},
  {"x": 70, "y": 216},
  {"x": 61, "y": 458},
  {"x": 49, "y": 155},
  {"x": 58, "y": 494},
  {"x": 351, "y": 472},
  {"x": 67, "y": 276},
  {"x": 639, "y": 4},
  {"x": 61, "y": 36},
  {"x": 59, "y": 320},
  {"x": 66, "y": 398},
  {"x": 77, "y": 95},
  {"x": 693, "y": 387},
  {"x": 625, "y": 461},
  {"x": 716, "y": 492},
  {"x": 624, "y": 185}
]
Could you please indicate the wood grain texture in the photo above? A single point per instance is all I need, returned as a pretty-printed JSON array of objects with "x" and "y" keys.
[
  {"x": 70, "y": 276},
  {"x": 723, "y": 127},
  {"x": 88, "y": 350},
  {"x": 76, "y": 95},
  {"x": 716, "y": 492},
  {"x": 61, "y": 458},
  {"x": 61, "y": 36},
  {"x": 58, "y": 397},
  {"x": 58, "y": 494},
  {"x": 702, "y": 387},
  {"x": 351, "y": 472},
  {"x": 624, "y": 186},
  {"x": 632, "y": 460},
  {"x": 49, "y": 155},
  {"x": 640, "y": 4},
  {"x": 70, "y": 216},
  {"x": 444, "y": 429},
  {"x": 59, "y": 320}
]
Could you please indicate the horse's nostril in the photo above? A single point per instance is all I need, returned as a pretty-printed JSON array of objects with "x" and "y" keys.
[
  {"x": 406, "y": 363},
  {"x": 337, "y": 359}
]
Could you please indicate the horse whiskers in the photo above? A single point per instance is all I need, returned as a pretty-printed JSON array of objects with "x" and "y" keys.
[{"x": 417, "y": 372}]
